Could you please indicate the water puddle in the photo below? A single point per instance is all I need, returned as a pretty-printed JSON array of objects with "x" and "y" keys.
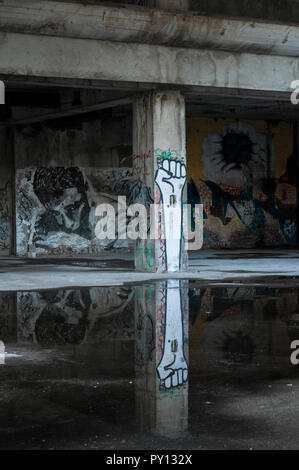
[{"x": 160, "y": 364}]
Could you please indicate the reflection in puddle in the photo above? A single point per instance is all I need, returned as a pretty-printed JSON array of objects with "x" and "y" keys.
[
  {"x": 161, "y": 351},
  {"x": 149, "y": 358},
  {"x": 67, "y": 316}
]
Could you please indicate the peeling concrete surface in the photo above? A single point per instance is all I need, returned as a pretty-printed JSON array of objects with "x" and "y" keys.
[{"x": 150, "y": 26}]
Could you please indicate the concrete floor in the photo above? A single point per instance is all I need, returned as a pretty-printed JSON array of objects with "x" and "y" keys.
[
  {"x": 79, "y": 389},
  {"x": 116, "y": 269}
]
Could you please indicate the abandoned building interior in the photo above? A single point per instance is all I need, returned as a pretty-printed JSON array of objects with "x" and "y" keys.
[{"x": 116, "y": 343}]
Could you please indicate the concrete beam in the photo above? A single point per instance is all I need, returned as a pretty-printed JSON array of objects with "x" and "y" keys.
[
  {"x": 173, "y": 4},
  {"x": 70, "y": 111},
  {"x": 150, "y": 26},
  {"x": 45, "y": 56}
]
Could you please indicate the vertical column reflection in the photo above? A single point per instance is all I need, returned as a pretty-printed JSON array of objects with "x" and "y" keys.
[{"x": 162, "y": 358}]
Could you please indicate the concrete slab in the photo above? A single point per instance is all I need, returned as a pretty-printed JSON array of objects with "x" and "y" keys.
[{"x": 116, "y": 269}]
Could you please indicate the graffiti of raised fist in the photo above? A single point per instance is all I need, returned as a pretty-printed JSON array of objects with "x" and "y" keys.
[{"x": 170, "y": 178}]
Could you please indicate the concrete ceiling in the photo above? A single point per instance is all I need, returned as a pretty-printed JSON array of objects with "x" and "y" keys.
[{"x": 35, "y": 103}]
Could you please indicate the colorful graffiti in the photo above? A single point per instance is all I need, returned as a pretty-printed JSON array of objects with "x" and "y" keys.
[
  {"x": 169, "y": 154},
  {"x": 245, "y": 204}
]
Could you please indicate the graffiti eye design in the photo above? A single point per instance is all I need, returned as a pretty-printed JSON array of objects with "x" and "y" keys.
[
  {"x": 237, "y": 149},
  {"x": 236, "y": 156}
]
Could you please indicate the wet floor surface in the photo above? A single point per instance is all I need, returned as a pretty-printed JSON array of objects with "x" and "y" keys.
[
  {"x": 166, "y": 365},
  {"x": 117, "y": 269}
]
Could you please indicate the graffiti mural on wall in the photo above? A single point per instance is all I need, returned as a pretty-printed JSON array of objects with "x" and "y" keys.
[
  {"x": 56, "y": 207},
  {"x": 245, "y": 205},
  {"x": 4, "y": 219},
  {"x": 62, "y": 193}
]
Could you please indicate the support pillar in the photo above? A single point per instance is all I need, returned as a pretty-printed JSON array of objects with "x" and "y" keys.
[{"x": 159, "y": 166}]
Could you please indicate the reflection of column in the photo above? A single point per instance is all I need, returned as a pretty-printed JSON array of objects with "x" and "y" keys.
[{"x": 161, "y": 358}]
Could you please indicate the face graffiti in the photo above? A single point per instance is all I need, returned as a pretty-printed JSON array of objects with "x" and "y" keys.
[
  {"x": 56, "y": 208},
  {"x": 62, "y": 191}
]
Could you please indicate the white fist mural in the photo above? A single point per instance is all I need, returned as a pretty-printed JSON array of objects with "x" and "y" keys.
[{"x": 171, "y": 178}]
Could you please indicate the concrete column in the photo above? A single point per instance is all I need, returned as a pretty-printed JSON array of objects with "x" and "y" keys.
[
  {"x": 172, "y": 4},
  {"x": 159, "y": 166},
  {"x": 162, "y": 358}
]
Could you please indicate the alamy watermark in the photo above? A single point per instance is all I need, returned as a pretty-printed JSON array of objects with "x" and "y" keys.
[
  {"x": 2, "y": 92},
  {"x": 295, "y": 354},
  {"x": 170, "y": 221},
  {"x": 295, "y": 93},
  {"x": 2, "y": 353}
]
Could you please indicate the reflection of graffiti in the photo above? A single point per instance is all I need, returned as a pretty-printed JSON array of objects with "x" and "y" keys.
[
  {"x": 144, "y": 330},
  {"x": 171, "y": 178},
  {"x": 7, "y": 316},
  {"x": 236, "y": 324},
  {"x": 161, "y": 325},
  {"x": 70, "y": 316},
  {"x": 173, "y": 369}
]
